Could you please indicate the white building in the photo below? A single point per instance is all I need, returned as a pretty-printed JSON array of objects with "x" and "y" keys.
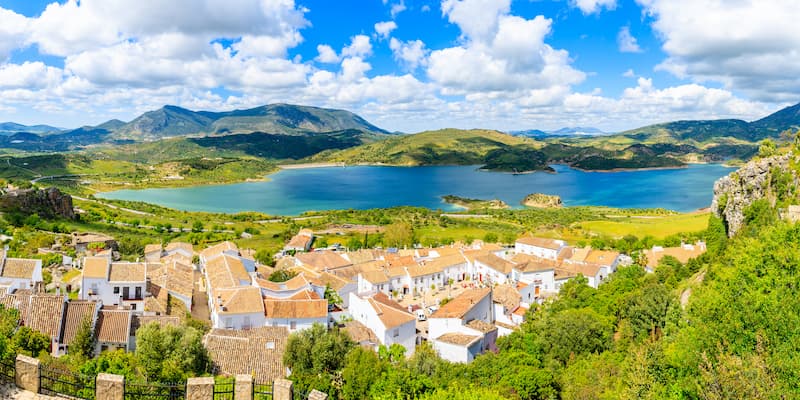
[
  {"x": 539, "y": 247},
  {"x": 20, "y": 273},
  {"x": 390, "y": 322},
  {"x": 464, "y": 327},
  {"x": 493, "y": 269},
  {"x": 298, "y": 312},
  {"x": 114, "y": 284}
]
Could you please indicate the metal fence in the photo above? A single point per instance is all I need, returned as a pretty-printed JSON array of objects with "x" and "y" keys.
[
  {"x": 54, "y": 381},
  {"x": 8, "y": 370},
  {"x": 298, "y": 394},
  {"x": 262, "y": 391},
  {"x": 223, "y": 388},
  {"x": 152, "y": 391}
]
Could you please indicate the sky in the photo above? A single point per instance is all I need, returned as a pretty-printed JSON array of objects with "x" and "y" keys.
[{"x": 404, "y": 65}]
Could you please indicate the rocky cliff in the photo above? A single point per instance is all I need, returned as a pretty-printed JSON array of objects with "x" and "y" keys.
[
  {"x": 754, "y": 181},
  {"x": 47, "y": 203}
]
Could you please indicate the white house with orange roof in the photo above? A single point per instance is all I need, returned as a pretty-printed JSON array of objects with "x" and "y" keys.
[
  {"x": 300, "y": 242},
  {"x": 114, "y": 283},
  {"x": 493, "y": 269},
  {"x": 19, "y": 273},
  {"x": 391, "y": 323},
  {"x": 539, "y": 247},
  {"x": 298, "y": 312},
  {"x": 464, "y": 327},
  {"x": 683, "y": 253}
]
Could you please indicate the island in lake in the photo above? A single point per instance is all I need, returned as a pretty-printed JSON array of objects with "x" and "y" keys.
[
  {"x": 541, "y": 200},
  {"x": 471, "y": 204}
]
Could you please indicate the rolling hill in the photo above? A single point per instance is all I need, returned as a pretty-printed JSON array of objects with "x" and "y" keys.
[{"x": 8, "y": 128}]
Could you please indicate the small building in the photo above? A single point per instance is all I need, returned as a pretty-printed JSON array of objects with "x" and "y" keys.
[
  {"x": 296, "y": 313},
  {"x": 113, "y": 329},
  {"x": 83, "y": 241},
  {"x": 493, "y": 269},
  {"x": 75, "y": 313},
  {"x": 682, "y": 253},
  {"x": 464, "y": 327},
  {"x": 114, "y": 283},
  {"x": 539, "y": 247},
  {"x": 388, "y": 320},
  {"x": 257, "y": 352},
  {"x": 300, "y": 242},
  {"x": 20, "y": 273},
  {"x": 238, "y": 308}
]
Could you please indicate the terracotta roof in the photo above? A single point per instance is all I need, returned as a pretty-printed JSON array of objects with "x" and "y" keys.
[
  {"x": 389, "y": 311},
  {"x": 335, "y": 282},
  {"x": 114, "y": 326},
  {"x": 127, "y": 272},
  {"x": 95, "y": 267},
  {"x": 297, "y": 282},
  {"x": 19, "y": 268},
  {"x": 241, "y": 300},
  {"x": 152, "y": 248},
  {"x": 580, "y": 254},
  {"x": 416, "y": 271},
  {"x": 19, "y": 300},
  {"x": 257, "y": 352},
  {"x": 683, "y": 253},
  {"x": 174, "y": 276},
  {"x": 217, "y": 249},
  {"x": 506, "y": 295},
  {"x": 440, "y": 263},
  {"x": 299, "y": 242},
  {"x": 564, "y": 273},
  {"x": 296, "y": 308},
  {"x": 375, "y": 277},
  {"x": 458, "y": 339},
  {"x": 175, "y": 246},
  {"x": 400, "y": 261},
  {"x": 481, "y": 326},
  {"x": 226, "y": 272},
  {"x": 462, "y": 304},
  {"x": 360, "y": 334},
  {"x": 46, "y": 313},
  {"x": 76, "y": 312},
  {"x": 496, "y": 263},
  {"x": 541, "y": 242},
  {"x": 447, "y": 251},
  {"x": 361, "y": 256},
  {"x": 602, "y": 257},
  {"x": 322, "y": 260}
]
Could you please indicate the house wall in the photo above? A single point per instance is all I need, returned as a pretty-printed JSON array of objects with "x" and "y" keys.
[
  {"x": 300, "y": 324},
  {"x": 344, "y": 293},
  {"x": 542, "y": 252},
  {"x": 457, "y": 272},
  {"x": 237, "y": 321},
  {"x": 455, "y": 353},
  {"x": 546, "y": 277},
  {"x": 490, "y": 274},
  {"x": 406, "y": 336},
  {"x": 363, "y": 312}
]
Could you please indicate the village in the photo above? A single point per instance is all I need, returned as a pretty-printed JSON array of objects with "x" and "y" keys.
[{"x": 459, "y": 298}]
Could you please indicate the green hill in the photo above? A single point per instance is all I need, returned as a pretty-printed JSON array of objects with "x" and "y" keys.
[{"x": 287, "y": 119}]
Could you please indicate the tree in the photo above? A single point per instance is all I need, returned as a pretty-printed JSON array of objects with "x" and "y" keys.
[
  {"x": 171, "y": 353},
  {"x": 197, "y": 226},
  {"x": 30, "y": 341},
  {"x": 398, "y": 234},
  {"x": 767, "y": 148},
  {"x": 490, "y": 237},
  {"x": 281, "y": 275},
  {"x": 362, "y": 367},
  {"x": 83, "y": 344},
  {"x": 574, "y": 332}
]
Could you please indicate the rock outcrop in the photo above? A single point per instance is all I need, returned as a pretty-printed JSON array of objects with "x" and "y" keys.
[
  {"x": 47, "y": 203},
  {"x": 735, "y": 192},
  {"x": 541, "y": 200}
]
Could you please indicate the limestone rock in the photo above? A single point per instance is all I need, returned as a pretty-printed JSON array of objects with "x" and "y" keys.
[
  {"x": 48, "y": 203},
  {"x": 541, "y": 200}
]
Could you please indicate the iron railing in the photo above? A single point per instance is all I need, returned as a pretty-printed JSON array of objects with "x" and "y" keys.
[
  {"x": 262, "y": 391},
  {"x": 223, "y": 388},
  {"x": 53, "y": 381},
  {"x": 151, "y": 391},
  {"x": 8, "y": 369}
]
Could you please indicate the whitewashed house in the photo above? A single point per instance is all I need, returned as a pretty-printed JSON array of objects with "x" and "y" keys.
[
  {"x": 539, "y": 247},
  {"x": 298, "y": 312},
  {"x": 114, "y": 283},
  {"x": 20, "y": 273},
  {"x": 493, "y": 269},
  {"x": 464, "y": 327},
  {"x": 390, "y": 322}
]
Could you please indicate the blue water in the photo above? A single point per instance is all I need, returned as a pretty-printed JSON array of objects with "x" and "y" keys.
[{"x": 291, "y": 192}]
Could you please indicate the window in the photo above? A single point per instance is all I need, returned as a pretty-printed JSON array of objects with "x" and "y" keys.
[
  {"x": 293, "y": 325},
  {"x": 116, "y": 289},
  {"x": 228, "y": 323},
  {"x": 133, "y": 306},
  {"x": 396, "y": 332},
  {"x": 271, "y": 345}
]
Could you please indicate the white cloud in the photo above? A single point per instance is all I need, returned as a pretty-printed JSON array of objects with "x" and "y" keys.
[
  {"x": 629, "y": 73},
  {"x": 383, "y": 29},
  {"x": 359, "y": 46},
  {"x": 749, "y": 46},
  {"x": 326, "y": 54},
  {"x": 477, "y": 19},
  {"x": 410, "y": 54},
  {"x": 626, "y": 42},
  {"x": 593, "y": 6},
  {"x": 397, "y": 8},
  {"x": 13, "y": 29}
]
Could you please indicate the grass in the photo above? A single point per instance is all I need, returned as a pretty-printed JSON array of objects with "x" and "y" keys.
[
  {"x": 70, "y": 275},
  {"x": 656, "y": 226}
]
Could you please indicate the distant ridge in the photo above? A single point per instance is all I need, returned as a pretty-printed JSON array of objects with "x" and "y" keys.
[
  {"x": 286, "y": 119},
  {"x": 13, "y": 127}
]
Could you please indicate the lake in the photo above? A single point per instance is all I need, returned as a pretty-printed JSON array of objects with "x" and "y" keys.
[{"x": 293, "y": 191}]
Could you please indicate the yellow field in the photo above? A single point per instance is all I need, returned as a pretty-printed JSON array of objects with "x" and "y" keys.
[{"x": 656, "y": 226}]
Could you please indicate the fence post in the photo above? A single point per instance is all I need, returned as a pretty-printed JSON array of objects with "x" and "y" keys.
[
  {"x": 282, "y": 389},
  {"x": 27, "y": 374},
  {"x": 243, "y": 387},
  {"x": 200, "y": 389},
  {"x": 317, "y": 395},
  {"x": 110, "y": 387}
]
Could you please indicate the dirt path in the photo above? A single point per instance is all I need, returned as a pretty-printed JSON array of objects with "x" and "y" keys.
[{"x": 688, "y": 292}]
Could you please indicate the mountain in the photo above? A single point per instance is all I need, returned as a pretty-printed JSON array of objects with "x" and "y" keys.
[
  {"x": 13, "y": 127},
  {"x": 577, "y": 130},
  {"x": 287, "y": 119},
  {"x": 770, "y": 126}
]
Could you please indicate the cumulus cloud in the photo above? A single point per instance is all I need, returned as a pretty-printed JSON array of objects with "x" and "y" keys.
[
  {"x": 410, "y": 54},
  {"x": 397, "y": 8},
  {"x": 383, "y": 29},
  {"x": 326, "y": 54},
  {"x": 749, "y": 46},
  {"x": 359, "y": 46},
  {"x": 593, "y": 6},
  {"x": 626, "y": 42},
  {"x": 13, "y": 29}
]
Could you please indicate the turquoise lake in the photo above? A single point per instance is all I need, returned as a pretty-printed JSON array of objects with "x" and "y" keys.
[{"x": 294, "y": 191}]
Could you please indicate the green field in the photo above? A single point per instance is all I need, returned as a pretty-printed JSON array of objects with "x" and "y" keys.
[{"x": 656, "y": 226}]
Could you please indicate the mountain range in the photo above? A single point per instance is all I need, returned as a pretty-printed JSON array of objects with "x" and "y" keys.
[{"x": 566, "y": 131}]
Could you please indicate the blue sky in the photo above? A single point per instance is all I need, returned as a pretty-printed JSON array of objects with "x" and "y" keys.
[{"x": 407, "y": 65}]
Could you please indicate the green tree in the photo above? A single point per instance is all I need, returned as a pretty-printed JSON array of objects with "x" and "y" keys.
[
  {"x": 490, "y": 237},
  {"x": 281, "y": 275},
  {"x": 30, "y": 341},
  {"x": 83, "y": 344},
  {"x": 362, "y": 367},
  {"x": 767, "y": 148},
  {"x": 197, "y": 226},
  {"x": 398, "y": 234},
  {"x": 574, "y": 332},
  {"x": 171, "y": 353}
]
